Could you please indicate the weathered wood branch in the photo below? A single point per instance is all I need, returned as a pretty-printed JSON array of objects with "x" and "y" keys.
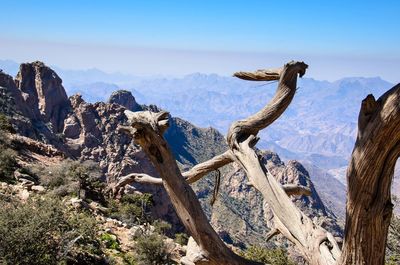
[
  {"x": 296, "y": 190},
  {"x": 290, "y": 189},
  {"x": 202, "y": 169},
  {"x": 271, "y": 234},
  {"x": 316, "y": 244},
  {"x": 369, "y": 179},
  {"x": 260, "y": 75},
  {"x": 147, "y": 129},
  {"x": 191, "y": 176},
  {"x": 242, "y": 129}
]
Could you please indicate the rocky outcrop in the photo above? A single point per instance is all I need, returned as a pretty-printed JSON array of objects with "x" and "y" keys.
[
  {"x": 125, "y": 99},
  {"x": 7, "y": 82},
  {"x": 43, "y": 93}
]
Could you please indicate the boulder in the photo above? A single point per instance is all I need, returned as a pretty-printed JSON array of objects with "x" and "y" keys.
[
  {"x": 71, "y": 127},
  {"x": 38, "y": 189},
  {"x": 23, "y": 194}
]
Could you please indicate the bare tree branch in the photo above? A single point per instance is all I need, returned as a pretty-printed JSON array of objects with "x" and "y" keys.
[
  {"x": 296, "y": 190},
  {"x": 271, "y": 234},
  {"x": 260, "y": 75},
  {"x": 202, "y": 169},
  {"x": 290, "y": 189},
  {"x": 315, "y": 243}
]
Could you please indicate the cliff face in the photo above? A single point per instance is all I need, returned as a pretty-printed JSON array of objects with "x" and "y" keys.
[
  {"x": 43, "y": 93},
  {"x": 83, "y": 131}
]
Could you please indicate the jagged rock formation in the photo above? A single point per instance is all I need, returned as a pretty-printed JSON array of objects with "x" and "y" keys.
[
  {"x": 83, "y": 131},
  {"x": 43, "y": 92},
  {"x": 126, "y": 99}
]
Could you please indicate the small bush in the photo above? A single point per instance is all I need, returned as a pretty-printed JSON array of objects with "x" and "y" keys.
[
  {"x": 132, "y": 208},
  {"x": 110, "y": 241},
  {"x": 393, "y": 242},
  {"x": 8, "y": 164},
  {"x": 150, "y": 250},
  {"x": 393, "y": 260},
  {"x": 42, "y": 231},
  {"x": 83, "y": 177},
  {"x": 5, "y": 124},
  {"x": 276, "y": 256},
  {"x": 129, "y": 258},
  {"x": 181, "y": 238},
  {"x": 161, "y": 227}
]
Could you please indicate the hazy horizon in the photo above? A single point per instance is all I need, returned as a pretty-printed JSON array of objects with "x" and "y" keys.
[
  {"x": 176, "y": 38},
  {"x": 158, "y": 76}
]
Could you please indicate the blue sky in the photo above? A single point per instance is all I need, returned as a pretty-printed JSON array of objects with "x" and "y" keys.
[{"x": 337, "y": 38}]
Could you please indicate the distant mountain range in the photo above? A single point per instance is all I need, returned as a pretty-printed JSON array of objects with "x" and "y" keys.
[{"x": 319, "y": 127}]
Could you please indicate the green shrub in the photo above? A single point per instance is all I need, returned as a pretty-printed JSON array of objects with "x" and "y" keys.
[
  {"x": 42, "y": 231},
  {"x": 8, "y": 164},
  {"x": 73, "y": 177},
  {"x": 393, "y": 242},
  {"x": 393, "y": 260},
  {"x": 181, "y": 238},
  {"x": 132, "y": 208},
  {"x": 276, "y": 256},
  {"x": 129, "y": 259},
  {"x": 161, "y": 227},
  {"x": 150, "y": 250},
  {"x": 5, "y": 124},
  {"x": 110, "y": 241}
]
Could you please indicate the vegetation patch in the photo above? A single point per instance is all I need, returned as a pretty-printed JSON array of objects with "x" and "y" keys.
[{"x": 276, "y": 256}]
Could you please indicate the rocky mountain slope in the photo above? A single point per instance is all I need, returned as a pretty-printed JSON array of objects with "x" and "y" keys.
[{"x": 73, "y": 128}]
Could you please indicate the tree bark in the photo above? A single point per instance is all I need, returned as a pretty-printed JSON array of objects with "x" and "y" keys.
[{"x": 369, "y": 179}]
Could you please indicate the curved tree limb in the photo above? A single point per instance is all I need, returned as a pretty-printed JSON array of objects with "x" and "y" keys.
[
  {"x": 147, "y": 129},
  {"x": 290, "y": 189},
  {"x": 296, "y": 190},
  {"x": 260, "y": 75},
  {"x": 202, "y": 169},
  {"x": 242, "y": 129},
  {"x": 315, "y": 243},
  {"x": 271, "y": 234}
]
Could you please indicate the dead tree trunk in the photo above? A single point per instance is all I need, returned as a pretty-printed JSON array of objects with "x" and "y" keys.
[
  {"x": 147, "y": 129},
  {"x": 316, "y": 244},
  {"x": 369, "y": 179}
]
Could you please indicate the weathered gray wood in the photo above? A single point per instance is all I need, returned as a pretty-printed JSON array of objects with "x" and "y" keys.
[
  {"x": 196, "y": 173},
  {"x": 316, "y": 244}
]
